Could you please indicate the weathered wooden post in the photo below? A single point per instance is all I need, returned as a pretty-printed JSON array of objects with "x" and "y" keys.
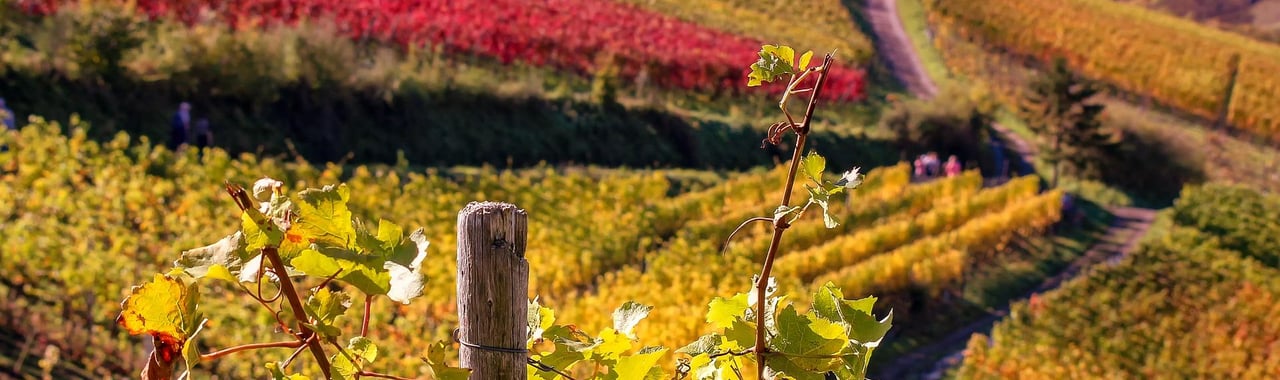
[{"x": 493, "y": 290}]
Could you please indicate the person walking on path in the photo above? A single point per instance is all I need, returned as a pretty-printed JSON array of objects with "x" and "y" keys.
[
  {"x": 919, "y": 166},
  {"x": 953, "y": 166},
  {"x": 180, "y": 126},
  {"x": 202, "y": 134},
  {"x": 8, "y": 117}
]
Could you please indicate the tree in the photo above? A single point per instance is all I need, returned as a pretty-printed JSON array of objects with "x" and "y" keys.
[{"x": 1061, "y": 112}]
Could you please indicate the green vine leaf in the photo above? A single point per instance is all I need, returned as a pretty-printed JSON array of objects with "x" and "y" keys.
[
  {"x": 639, "y": 366},
  {"x": 775, "y": 61},
  {"x": 362, "y": 350},
  {"x": 813, "y": 166},
  {"x": 278, "y": 374},
  {"x": 565, "y": 355},
  {"x": 381, "y": 264},
  {"x": 439, "y": 369},
  {"x": 326, "y": 309},
  {"x": 323, "y": 216},
  {"x": 220, "y": 260}
]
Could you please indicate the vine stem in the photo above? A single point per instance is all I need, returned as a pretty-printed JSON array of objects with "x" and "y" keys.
[
  {"x": 364, "y": 325},
  {"x": 246, "y": 347},
  {"x": 381, "y": 375},
  {"x": 295, "y": 302},
  {"x": 780, "y": 224}
]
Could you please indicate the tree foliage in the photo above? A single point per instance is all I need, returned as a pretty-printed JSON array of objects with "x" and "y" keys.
[{"x": 1065, "y": 116}]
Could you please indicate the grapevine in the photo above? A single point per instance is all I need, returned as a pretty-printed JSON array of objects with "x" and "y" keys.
[{"x": 284, "y": 240}]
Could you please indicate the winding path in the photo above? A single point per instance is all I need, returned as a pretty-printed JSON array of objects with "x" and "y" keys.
[
  {"x": 896, "y": 51},
  {"x": 1121, "y": 237}
]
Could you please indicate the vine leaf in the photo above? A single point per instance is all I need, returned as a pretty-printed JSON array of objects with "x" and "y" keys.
[
  {"x": 775, "y": 61},
  {"x": 166, "y": 309},
  {"x": 191, "y": 350},
  {"x": 706, "y": 344},
  {"x": 829, "y": 303},
  {"x": 362, "y": 350},
  {"x": 278, "y": 374},
  {"x": 567, "y": 352},
  {"x": 627, "y": 316},
  {"x": 802, "y": 335},
  {"x": 804, "y": 60},
  {"x": 540, "y": 319},
  {"x": 323, "y": 216},
  {"x": 439, "y": 369},
  {"x": 638, "y": 366},
  {"x": 822, "y": 198},
  {"x": 326, "y": 309},
  {"x": 814, "y": 165},
  {"x": 722, "y": 312},
  {"x": 219, "y": 260},
  {"x": 381, "y": 264}
]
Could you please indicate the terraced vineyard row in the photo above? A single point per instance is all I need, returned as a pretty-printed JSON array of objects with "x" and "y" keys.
[
  {"x": 86, "y": 217},
  {"x": 1177, "y": 62},
  {"x": 1197, "y": 301},
  {"x": 827, "y": 22}
]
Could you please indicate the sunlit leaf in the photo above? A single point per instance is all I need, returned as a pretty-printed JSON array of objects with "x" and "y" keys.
[
  {"x": 612, "y": 344},
  {"x": 165, "y": 308},
  {"x": 705, "y": 344},
  {"x": 323, "y": 217},
  {"x": 722, "y": 312},
  {"x": 627, "y": 316},
  {"x": 360, "y": 349},
  {"x": 813, "y": 166},
  {"x": 326, "y": 308},
  {"x": 804, "y": 60},
  {"x": 539, "y": 319},
  {"x": 771, "y": 65},
  {"x": 278, "y": 374},
  {"x": 441, "y": 370},
  {"x": 365, "y": 272},
  {"x": 636, "y": 367}
]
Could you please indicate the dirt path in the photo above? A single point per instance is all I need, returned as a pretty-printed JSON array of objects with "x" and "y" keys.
[
  {"x": 1129, "y": 225},
  {"x": 932, "y": 361},
  {"x": 898, "y": 53}
]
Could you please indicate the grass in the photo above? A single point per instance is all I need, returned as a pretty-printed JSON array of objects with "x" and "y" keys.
[{"x": 911, "y": 13}]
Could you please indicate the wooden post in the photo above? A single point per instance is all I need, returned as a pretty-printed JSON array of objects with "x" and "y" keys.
[{"x": 493, "y": 290}]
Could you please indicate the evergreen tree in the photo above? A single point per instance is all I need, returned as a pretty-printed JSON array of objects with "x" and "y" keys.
[{"x": 1060, "y": 110}]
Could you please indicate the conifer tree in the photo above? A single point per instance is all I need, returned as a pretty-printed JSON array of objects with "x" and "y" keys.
[{"x": 1060, "y": 110}]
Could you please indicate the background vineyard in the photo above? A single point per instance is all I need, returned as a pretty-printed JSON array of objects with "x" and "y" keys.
[
  {"x": 87, "y": 218},
  {"x": 1197, "y": 301},
  {"x": 1171, "y": 60}
]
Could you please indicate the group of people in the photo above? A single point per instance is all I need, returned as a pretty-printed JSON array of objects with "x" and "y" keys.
[
  {"x": 182, "y": 131},
  {"x": 927, "y": 166}
]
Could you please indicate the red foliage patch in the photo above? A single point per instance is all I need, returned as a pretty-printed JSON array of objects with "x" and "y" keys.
[{"x": 567, "y": 34}]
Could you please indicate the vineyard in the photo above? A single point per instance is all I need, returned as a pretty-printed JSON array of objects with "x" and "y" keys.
[
  {"x": 598, "y": 34},
  {"x": 597, "y": 239},
  {"x": 828, "y": 22},
  {"x": 1173, "y": 61},
  {"x": 1198, "y": 301}
]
